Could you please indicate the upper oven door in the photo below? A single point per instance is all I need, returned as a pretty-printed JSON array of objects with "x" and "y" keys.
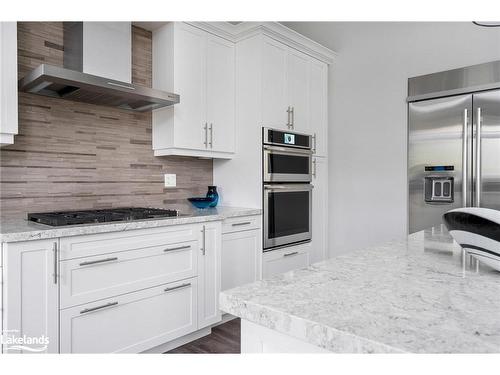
[{"x": 284, "y": 164}]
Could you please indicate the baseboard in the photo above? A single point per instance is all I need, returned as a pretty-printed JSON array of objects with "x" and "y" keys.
[{"x": 163, "y": 348}]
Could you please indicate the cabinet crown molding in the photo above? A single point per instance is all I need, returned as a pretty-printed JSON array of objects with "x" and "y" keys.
[{"x": 275, "y": 30}]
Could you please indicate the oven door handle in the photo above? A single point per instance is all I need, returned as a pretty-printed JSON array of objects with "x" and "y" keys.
[
  {"x": 289, "y": 187},
  {"x": 288, "y": 150}
]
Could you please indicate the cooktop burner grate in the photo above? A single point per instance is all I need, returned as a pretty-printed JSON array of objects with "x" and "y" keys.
[{"x": 99, "y": 216}]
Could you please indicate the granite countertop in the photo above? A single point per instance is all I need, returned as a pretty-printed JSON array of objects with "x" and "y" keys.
[
  {"x": 414, "y": 295},
  {"x": 16, "y": 230}
]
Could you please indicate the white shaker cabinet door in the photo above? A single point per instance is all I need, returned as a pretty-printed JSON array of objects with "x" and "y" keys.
[
  {"x": 190, "y": 84},
  {"x": 241, "y": 258},
  {"x": 209, "y": 262},
  {"x": 298, "y": 90},
  {"x": 220, "y": 94},
  {"x": 318, "y": 102},
  {"x": 274, "y": 87},
  {"x": 30, "y": 300}
]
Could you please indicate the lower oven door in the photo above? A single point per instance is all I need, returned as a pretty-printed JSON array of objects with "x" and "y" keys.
[
  {"x": 287, "y": 214},
  {"x": 286, "y": 164}
]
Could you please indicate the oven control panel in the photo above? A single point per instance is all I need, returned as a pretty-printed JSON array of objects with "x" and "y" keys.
[{"x": 284, "y": 138}]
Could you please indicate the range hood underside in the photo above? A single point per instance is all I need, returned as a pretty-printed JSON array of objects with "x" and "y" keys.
[{"x": 57, "y": 82}]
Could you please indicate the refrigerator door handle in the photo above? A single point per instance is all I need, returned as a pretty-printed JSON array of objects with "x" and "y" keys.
[
  {"x": 464, "y": 159},
  {"x": 478, "y": 159}
]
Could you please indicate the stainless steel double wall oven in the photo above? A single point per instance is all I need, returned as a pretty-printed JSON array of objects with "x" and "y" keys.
[{"x": 287, "y": 189}]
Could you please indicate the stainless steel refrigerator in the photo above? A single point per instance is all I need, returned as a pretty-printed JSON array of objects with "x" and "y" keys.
[{"x": 453, "y": 142}]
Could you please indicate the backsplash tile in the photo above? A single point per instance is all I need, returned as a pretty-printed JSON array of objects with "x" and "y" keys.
[{"x": 71, "y": 155}]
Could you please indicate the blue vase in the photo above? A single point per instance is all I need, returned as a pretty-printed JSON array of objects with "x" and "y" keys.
[{"x": 213, "y": 195}]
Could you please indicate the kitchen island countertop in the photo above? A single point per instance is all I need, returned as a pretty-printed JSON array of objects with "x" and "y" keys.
[
  {"x": 418, "y": 295},
  {"x": 15, "y": 230}
]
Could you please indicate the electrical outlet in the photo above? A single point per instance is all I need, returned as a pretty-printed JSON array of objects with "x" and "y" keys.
[{"x": 170, "y": 180}]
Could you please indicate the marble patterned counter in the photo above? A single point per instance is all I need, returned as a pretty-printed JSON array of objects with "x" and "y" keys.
[
  {"x": 415, "y": 295},
  {"x": 24, "y": 230}
]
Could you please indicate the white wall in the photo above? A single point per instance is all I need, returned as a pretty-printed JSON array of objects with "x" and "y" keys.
[{"x": 368, "y": 114}]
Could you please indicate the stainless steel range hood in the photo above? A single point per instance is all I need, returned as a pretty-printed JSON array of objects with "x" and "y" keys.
[{"x": 78, "y": 85}]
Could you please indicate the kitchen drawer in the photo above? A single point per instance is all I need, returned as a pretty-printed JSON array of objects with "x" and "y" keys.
[
  {"x": 133, "y": 322},
  {"x": 284, "y": 260},
  {"x": 237, "y": 224},
  {"x": 93, "y": 278},
  {"x": 104, "y": 243}
]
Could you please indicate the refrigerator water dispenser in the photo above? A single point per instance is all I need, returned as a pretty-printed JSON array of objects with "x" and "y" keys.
[{"x": 439, "y": 189}]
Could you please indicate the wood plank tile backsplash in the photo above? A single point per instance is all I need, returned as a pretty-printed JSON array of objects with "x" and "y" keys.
[{"x": 71, "y": 155}]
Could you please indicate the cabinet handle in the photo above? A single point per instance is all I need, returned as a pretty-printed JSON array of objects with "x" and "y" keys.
[
  {"x": 177, "y": 287},
  {"x": 288, "y": 122},
  {"x": 314, "y": 168},
  {"x": 206, "y": 135},
  {"x": 211, "y": 143},
  {"x": 54, "y": 251},
  {"x": 314, "y": 143},
  {"x": 243, "y": 223},
  {"x": 293, "y": 117},
  {"x": 290, "y": 254},
  {"x": 203, "y": 239},
  {"x": 177, "y": 248},
  {"x": 98, "y": 307},
  {"x": 98, "y": 261}
]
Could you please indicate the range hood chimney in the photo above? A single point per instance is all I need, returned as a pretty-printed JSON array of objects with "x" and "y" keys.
[{"x": 97, "y": 70}]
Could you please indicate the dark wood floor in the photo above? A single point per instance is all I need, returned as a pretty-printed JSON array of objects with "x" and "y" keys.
[{"x": 225, "y": 338}]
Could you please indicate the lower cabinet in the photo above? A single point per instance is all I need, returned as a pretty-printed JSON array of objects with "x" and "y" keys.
[
  {"x": 209, "y": 274},
  {"x": 30, "y": 295},
  {"x": 287, "y": 259},
  {"x": 241, "y": 258},
  {"x": 115, "y": 292},
  {"x": 132, "y": 322}
]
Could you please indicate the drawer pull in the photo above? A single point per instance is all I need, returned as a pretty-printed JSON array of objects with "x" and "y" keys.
[
  {"x": 98, "y": 307},
  {"x": 290, "y": 254},
  {"x": 177, "y": 287},
  {"x": 243, "y": 223},
  {"x": 98, "y": 261},
  {"x": 178, "y": 248}
]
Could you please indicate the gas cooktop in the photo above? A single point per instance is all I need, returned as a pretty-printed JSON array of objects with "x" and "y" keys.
[{"x": 99, "y": 216}]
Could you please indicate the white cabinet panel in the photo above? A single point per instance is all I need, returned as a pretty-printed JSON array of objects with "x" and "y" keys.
[
  {"x": 318, "y": 102},
  {"x": 189, "y": 83},
  {"x": 319, "y": 248},
  {"x": 284, "y": 260},
  {"x": 274, "y": 84},
  {"x": 298, "y": 90},
  {"x": 209, "y": 275},
  {"x": 241, "y": 258},
  {"x": 31, "y": 291},
  {"x": 8, "y": 82},
  {"x": 132, "y": 322},
  {"x": 237, "y": 224},
  {"x": 93, "y": 278},
  {"x": 200, "y": 68},
  {"x": 220, "y": 94}
]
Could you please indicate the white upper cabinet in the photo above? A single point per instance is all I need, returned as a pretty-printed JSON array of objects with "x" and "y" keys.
[
  {"x": 198, "y": 66},
  {"x": 318, "y": 110},
  {"x": 294, "y": 94},
  {"x": 298, "y": 90},
  {"x": 274, "y": 87},
  {"x": 220, "y": 94},
  {"x": 8, "y": 82}
]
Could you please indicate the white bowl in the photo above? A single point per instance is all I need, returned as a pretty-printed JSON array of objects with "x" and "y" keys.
[{"x": 478, "y": 231}]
